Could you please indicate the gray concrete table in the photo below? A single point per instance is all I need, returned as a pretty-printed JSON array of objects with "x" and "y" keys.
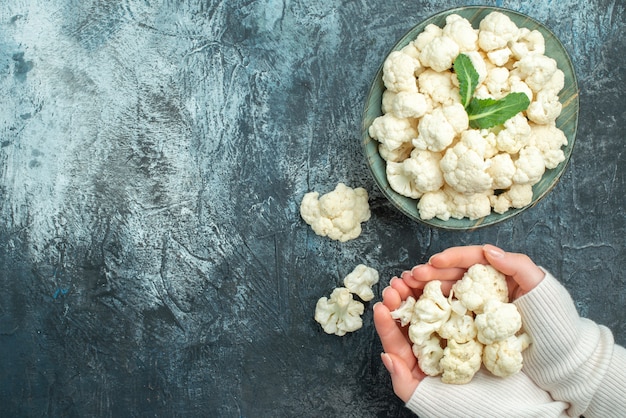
[{"x": 153, "y": 156}]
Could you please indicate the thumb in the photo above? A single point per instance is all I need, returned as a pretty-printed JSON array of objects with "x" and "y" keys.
[
  {"x": 518, "y": 266},
  {"x": 402, "y": 378}
]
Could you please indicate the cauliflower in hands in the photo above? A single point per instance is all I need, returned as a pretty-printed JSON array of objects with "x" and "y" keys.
[
  {"x": 461, "y": 361},
  {"x": 479, "y": 284},
  {"x": 497, "y": 321},
  {"x": 504, "y": 358}
]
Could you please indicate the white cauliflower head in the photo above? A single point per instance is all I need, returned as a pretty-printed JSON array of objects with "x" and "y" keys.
[
  {"x": 545, "y": 108},
  {"x": 391, "y": 131},
  {"x": 340, "y": 313},
  {"x": 399, "y": 71},
  {"x": 460, "y": 30},
  {"x": 337, "y": 214},
  {"x": 439, "y": 87},
  {"x": 479, "y": 284},
  {"x": 504, "y": 358},
  {"x": 432, "y": 307},
  {"x": 439, "y": 53},
  {"x": 536, "y": 70},
  {"x": 438, "y": 129},
  {"x": 468, "y": 205},
  {"x": 549, "y": 140},
  {"x": 404, "y": 313},
  {"x": 423, "y": 167},
  {"x": 514, "y": 136},
  {"x": 497, "y": 321},
  {"x": 517, "y": 196},
  {"x": 529, "y": 166},
  {"x": 501, "y": 168},
  {"x": 464, "y": 167},
  {"x": 430, "y": 32},
  {"x": 429, "y": 355},
  {"x": 460, "y": 328},
  {"x": 401, "y": 181},
  {"x": 496, "y": 31},
  {"x": 434, "y": 205},
  {"x": 407, "y": 104},
  {"x": 528, "y": 42},
  {"x": 361, "y": 280},
  {"x": 397, "y": 155},
  {"x": 460, "y": 361}
]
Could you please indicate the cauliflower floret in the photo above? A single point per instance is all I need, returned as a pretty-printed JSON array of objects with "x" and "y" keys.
[
  {"x": 361, "y": 280},
  {"x": 504, "y": 358},
  {"x": 429, "y": 355},
  {"x": 435, "y": 132},
  {"x": 439, "y": 53},
  {"x": 536, "y": 70},
  {"x": 545, "y": 108},
  {"x": 399, "y": 71},
  {"x": 429, "y": 33},
  {"x": 434, "y": 205},
  {"x": 340, "y": 313},
  {"x": 423, "y": 168},
  {"x": 528, "y": 42},
  {"x": 460, "y": 328},
  {"x": 499, "y": 57},
  {"x": 496, "y": 31},
  {"x": 549, "y": 139},
  {"x": 514, "y": 136},
  {"x": 404, "y": 313},
  {"x": 497, "y": 82},
  {"x": 517, "y": 196},
  {"x": 472, "y": 205},
  {"x": 397, "y": 155},
  {"x": 401, "y": 181},
  {"x": 529, "y": 166},
  {"x": 460, "y": 30},
  {"x": 460, "y": 361},
  {"x": 518, "y": 86},
  {"x": 337, "y": 214},
  {"x": 406, "y": 104},
  {"x": 464, "y": 167},
  {"x": 439, "y": 87},
  {"x": 479, "y": 284},
  {"x": 555, "y": 84},
  {"x": 420, "y": 332},
  {"x": 411, "y": 50},
  {"x": 501, "y": 169},
  {"x": 432, "y": 307},
  {"x": 497, "y": 321},
  {"x": 391, "y": 131}
]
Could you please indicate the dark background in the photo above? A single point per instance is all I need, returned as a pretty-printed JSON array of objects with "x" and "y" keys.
[{"x": 152, "y": 161}]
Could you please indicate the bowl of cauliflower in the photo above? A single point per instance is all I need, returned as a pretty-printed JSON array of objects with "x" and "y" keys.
[{"x": 471, "y": 117}]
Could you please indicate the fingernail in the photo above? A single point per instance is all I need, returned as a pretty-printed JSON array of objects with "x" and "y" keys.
[
  {"x": 387, "y": 361},
  {"x": 493, "y": 251}
]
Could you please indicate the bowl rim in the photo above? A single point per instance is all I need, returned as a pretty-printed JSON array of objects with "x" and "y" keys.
[{"x": 493, "y": 218}]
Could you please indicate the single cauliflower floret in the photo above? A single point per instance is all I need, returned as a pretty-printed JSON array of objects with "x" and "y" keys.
[
  {"x": 504, "y": 358},
  {"x": 468, "y": 205},
  {"x": 460, "y": 328},
  {"x": 460, "y": 30},
  {"x": 404, "y": 313},
  {"x": 432, "y": 307},
  {"x": 528, "y": 42},
  {"x": 555, "y": 84},
  {"x": 497, "y": 82},
  {"x": 337, "y": 214},
  {"x": 392, "y": 131},
  {"x": 435, "y": 133},
  {"x": 434, "y": 205},
  {"x": 499, "y": 57},
  {"x": 514, "y": 136},
  {"x": 361, "y": 280},
  {"x": 496, "y": 31},
  {"x": 406, "y": 104},
  {"x": 439, "y": 53},
  {"x": 497, "y": 321},
  {"x": 397, "y": 155},
  {"x": 479, "y": 284},
  {"x": 536, "y": 70},
  {"x": 460, "y": 361},
  {"x": 529, "y": 165},
  {"x": 501, "y": 169},
  {"x": 430, "y": 32},
  {"x": 545, "y": 108},
  {"x": 549, "y": 139},
  {"x": 420, "y": 332},
  {"x": 429, "y": 356},
  {"x": 518, "y": 86},
  {"x": 399, "y": 71},
  {"x": 463, "y": 165},
  {"x": 340, "y": 313},
  {"x": 517, "y": 196},
  {"x": 423, "y": 168},
  {"x": 401, "y": 181},
  {"x": 439, "y": 87}
]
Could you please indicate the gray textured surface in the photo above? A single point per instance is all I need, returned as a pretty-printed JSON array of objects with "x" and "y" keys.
[{"x": 153, "y": 156}]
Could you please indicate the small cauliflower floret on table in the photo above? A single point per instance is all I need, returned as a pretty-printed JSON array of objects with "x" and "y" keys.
[
  {"x": 461, "y": 361},
  {"x": 361, "y": 280},
  {"x": 460, "y": 30},
  {"x": 514, "y": 136},
  {"x": 337, "y": 214},
  {"x": 429, "y": 355},
  {"x": 504, "y": 358},
  {"x": 437, "y": 130},
  {"x": 464, "y": 166},
  {"x": 496, "y": 30},
  {"x": 340, "y": 313},
  {"x": 399, "y": 72},
  {"x": 549, "y": 140},
  {"x": 439, "y": 87},
  {"x": 529, "y": 166},
  {"x": 405, "y": 104},
  {"x": 479, "y": 284},
  {"x": 393, "y": 132},
  {"x": 497, "y": 321},
  {"x": 439, "y": 53},
  {"x": 517, "y": 196}
]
